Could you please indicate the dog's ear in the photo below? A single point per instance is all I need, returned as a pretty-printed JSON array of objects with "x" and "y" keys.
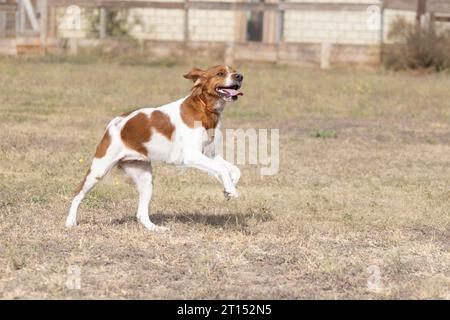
[{"x": 195, "y": 74}]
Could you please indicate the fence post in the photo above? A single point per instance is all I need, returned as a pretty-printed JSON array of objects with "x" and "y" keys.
[
  {"x": 2, "y": 24},
  {"x": 431, "y": 20},
  {"x": 42, "y": 7},
  {"x": 280, "y": 24},
  {"x": 22, "y": 17},
  {"x": 229, "y": 53},
  {"x": 421, "y": 10},
  {"x": 52, "y": 21},
  {"x": 186, "y": 24},
  {"x": 382, "y": 7},
  {"x": 279, "y": 29},
  {"x": 325, "y": 55},
  {"x": 73, "y": 46},
  {"x": 103, "y": 21}
]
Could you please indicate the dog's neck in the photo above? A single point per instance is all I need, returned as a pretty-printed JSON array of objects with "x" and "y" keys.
[
  {"x": 211, "y": 104},
  {"x": 202, "y": 108}
]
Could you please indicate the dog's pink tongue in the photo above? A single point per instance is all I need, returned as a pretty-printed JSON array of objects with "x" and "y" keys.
[{"x": 232, "y": 92}]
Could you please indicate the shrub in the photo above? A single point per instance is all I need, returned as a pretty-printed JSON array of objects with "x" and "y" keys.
[
  {"x": 119, "y": 23},
  {"x": 417, "y": 47}
]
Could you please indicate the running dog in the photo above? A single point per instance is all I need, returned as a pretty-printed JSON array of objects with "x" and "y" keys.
[{"x": 182, "y": 133}]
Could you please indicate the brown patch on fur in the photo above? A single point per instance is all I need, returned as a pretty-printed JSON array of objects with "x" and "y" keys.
[
  {"x": 205, "y": 82},
  {"x": 161, "y": 122},
  {"x": 82, "y": 182},
  {"x": 138, "y": 130},
  {"x": 200, "y": 105},
  {"x": 195, "y": 74},
  {"x": 194, "y": 110},
  {"x": 103, "y": 145}
]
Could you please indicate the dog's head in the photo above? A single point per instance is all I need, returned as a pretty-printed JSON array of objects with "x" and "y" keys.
[{"x": 222, "y": 82}]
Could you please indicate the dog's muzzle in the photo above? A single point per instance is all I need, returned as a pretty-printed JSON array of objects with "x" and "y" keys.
[{"x": 231, "y": 92}]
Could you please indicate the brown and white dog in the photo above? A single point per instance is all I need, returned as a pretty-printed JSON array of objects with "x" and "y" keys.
[{"x": 174, "y": 133}]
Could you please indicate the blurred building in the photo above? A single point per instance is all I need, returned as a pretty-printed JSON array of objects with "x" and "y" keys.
[{"x": 310, "y": 32}]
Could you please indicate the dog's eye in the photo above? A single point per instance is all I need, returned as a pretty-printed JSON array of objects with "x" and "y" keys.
[{"x": 220, "y": 74}]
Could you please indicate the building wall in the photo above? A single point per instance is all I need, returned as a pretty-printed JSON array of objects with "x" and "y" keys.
[
  {"x": 327, "y": 26},
  {"x": 66, "y": 19},
  {"x": 340, "y": 27},
  {"x": 164, "y": 24},
  {"x": 158, "y": 24},
  {"x": 343, "y": 27},
  {"x": 443, "y": 26},
  {"x": 204, "y": 25},
  {"x": 7, "y": 23},
  {"x": 211, "y": 25}
]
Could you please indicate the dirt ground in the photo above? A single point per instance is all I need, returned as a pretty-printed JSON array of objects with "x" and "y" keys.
[{"x": 360, "y": 208}]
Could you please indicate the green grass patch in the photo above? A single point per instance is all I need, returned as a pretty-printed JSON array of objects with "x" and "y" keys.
[{"x": 324, "y": 134}]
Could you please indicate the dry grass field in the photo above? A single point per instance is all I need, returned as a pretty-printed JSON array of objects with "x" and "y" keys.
[{"x": 364, "y": 181}]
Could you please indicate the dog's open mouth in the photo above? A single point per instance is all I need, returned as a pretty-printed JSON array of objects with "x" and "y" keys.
[{"x": 229, "y": 93}]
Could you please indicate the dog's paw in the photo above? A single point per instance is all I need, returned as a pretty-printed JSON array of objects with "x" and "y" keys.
[
  {"x": 152, "y": 227},
  {"x": 70, "y": 223},
  {"x": 230, "y": 194},
  {"x": 158, "y": 229},
  {"x": 235, "y": 175}
]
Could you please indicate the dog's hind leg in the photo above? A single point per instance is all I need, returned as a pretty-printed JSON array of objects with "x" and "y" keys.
[
  {"x": 105, "y": 158},
  {"x": 141, "y": 174}
]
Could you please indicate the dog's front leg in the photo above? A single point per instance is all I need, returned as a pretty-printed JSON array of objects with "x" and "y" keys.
[
  {"x": 234, "y": 171},
  {"x": 202, "y": 162},
  {"x": 211, "y": 152}
]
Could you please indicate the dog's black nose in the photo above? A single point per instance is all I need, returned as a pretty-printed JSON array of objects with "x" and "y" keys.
[{"x": 238, "y": 77}]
